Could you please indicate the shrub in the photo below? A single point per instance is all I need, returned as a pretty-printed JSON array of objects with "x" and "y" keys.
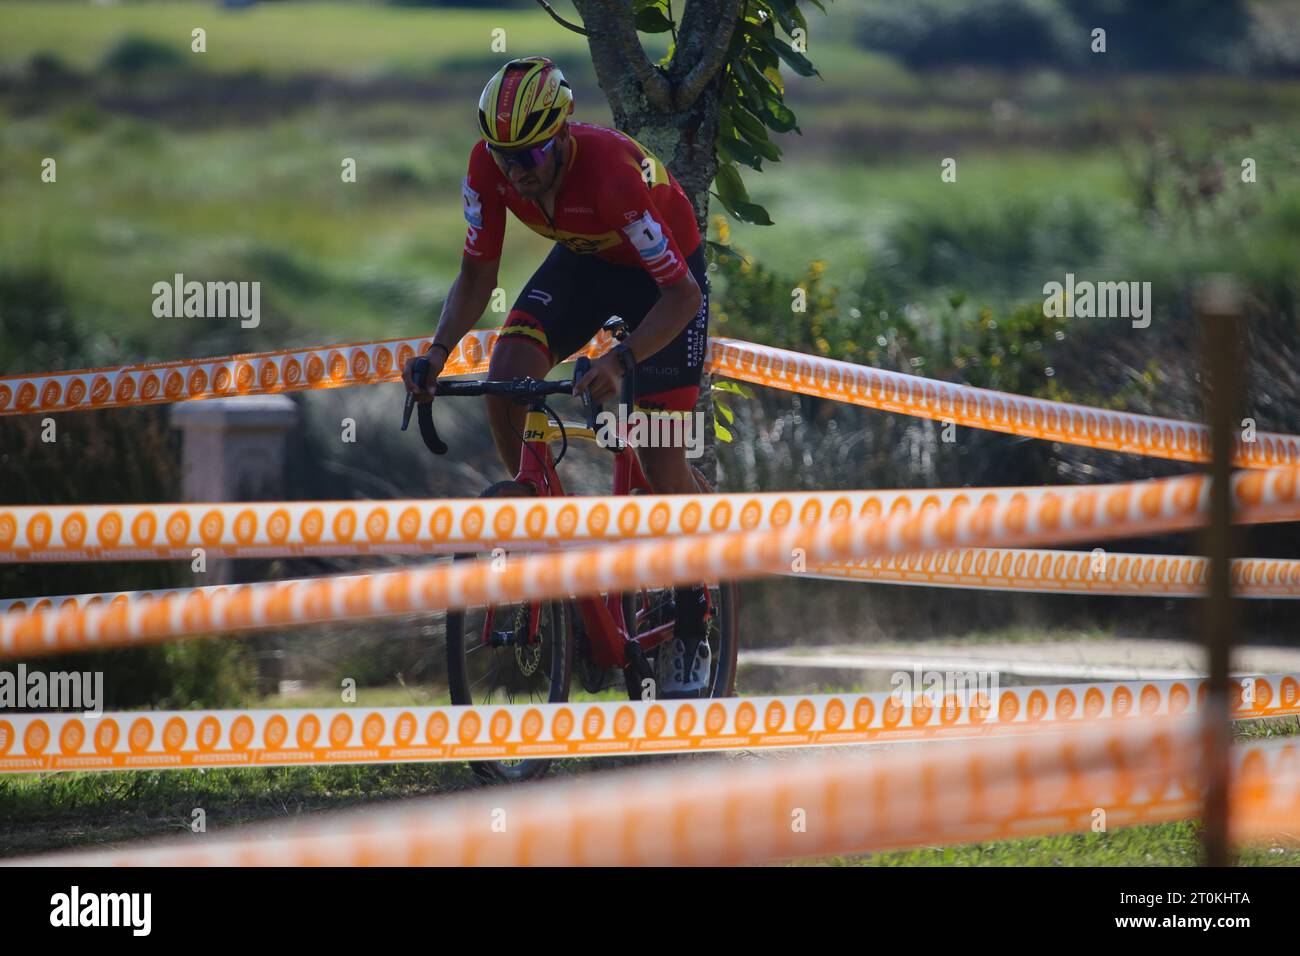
[
  {"x": 134, "y": 55},
  {"x": 1150, "y": 35},
  {"x": 932, "y": 33}
]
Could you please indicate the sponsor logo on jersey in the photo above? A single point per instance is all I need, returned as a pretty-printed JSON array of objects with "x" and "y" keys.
[
  {"x": 540, "y": 296},
  {"x": 473, "y": 205},
  {"x": 647, "y": 237},
  {"x": 582, "y": 245}
]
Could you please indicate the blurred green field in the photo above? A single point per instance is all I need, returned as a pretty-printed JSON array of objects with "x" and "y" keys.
[
  {"x": 150, "y": 185},
  {"x": 346, "y": 39}
]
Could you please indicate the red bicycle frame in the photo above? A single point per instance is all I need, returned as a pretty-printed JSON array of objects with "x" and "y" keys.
[{"x": 602, "y": 617}]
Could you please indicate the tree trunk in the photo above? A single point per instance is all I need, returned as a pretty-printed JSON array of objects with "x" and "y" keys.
[{"x": 647, "y": 104}]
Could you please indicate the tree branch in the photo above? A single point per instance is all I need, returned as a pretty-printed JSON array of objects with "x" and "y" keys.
[
  {"x": 613, "y": 31},
  {"x": 713, "y": 40},
  {"x": 655, "y": 84},
  {"x": 560, "y": 20}
]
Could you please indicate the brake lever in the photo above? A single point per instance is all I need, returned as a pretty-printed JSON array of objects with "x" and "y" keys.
[
  {"x": 419, "y": 370},
  {"x": 428, "y": 432}
]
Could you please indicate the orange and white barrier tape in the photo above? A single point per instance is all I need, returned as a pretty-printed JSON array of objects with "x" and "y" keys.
[
  {"x": 159, "y": 740},
  {"x": 1062, "y": 572},
  {"x": 755, "y": 811},
  {"x": 985, "y": 408},
  {"x": 433, "y": 526},
  {"x": 256, "y": 373},
  {"x": 421, "y": 526},
  {"x": 1053, "y": 517},
  {"x": 367, "y": 363},
  {"x": 1266, "y": 791},
  {"x": 991, "y": 569}
]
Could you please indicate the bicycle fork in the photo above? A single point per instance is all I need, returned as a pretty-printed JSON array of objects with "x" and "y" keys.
[{"x": 509, "y": 637}]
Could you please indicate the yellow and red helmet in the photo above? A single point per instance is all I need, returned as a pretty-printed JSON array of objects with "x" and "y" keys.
[{"x": 524, "y": 104}]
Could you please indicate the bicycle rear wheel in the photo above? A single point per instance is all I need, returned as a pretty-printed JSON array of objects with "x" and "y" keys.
[
  {"x": 646, "y": 609},
  {"x": 491, "y": 659}
]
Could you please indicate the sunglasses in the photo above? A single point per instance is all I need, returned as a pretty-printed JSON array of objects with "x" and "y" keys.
[{"x": 529, "y": 158}]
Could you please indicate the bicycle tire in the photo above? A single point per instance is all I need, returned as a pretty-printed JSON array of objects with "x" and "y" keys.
[
  {"x": 559, "y": 668},
  {"x": 723, "y": 634}
]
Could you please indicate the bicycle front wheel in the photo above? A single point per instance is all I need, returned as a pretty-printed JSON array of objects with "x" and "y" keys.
[{"x": 496, "y": 655}]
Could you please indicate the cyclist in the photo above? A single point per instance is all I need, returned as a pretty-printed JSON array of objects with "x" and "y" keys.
[{"x": 626, "y": 244}]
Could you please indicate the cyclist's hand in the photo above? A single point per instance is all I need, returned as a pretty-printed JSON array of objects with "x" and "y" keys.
[
  {"x": 604, "y": 379},
  {"x": 421, "y": 390}
]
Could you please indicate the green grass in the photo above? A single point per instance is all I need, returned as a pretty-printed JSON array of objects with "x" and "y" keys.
[
  {"x": 280, "y": 38},
  {"x": 50, "y": 812},
  {"x": 348, "y": 261},
  {"x": 1166, "y": 844},
  {"x": 337, "y": 261},
  {"x": 409, "y": 695},
  {"x": 842, "y": 212}
]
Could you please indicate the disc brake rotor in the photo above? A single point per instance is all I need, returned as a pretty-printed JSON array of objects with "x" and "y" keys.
[{"x": 528, "y": 657}]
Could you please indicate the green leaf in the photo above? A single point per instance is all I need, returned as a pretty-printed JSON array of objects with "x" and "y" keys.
[
  {"x": 774, "y": 77},
  {"x": 745, "y": 211},
  {"x": 783, "y": 15},
  {"x": 757, "y": 79},
  {"x": 731, "y": 188},
  {"x": 721, "y": 251},
  {"x": 721, "y": 431},
  {"x": 781, "y": 118},
  {"x": 736, "y": 387},
  {"x": 639, "y": 5},
  {"x": 763, "y": 146},
  {"x": 726, "y": 121},
  {"x": 763, "y": 101},
  {"x": 744, "y": 122},
  {"x": 753, "y": 94},
  {"x": 763, "y": 56},
  {"x": 735, "y": 198},
  {"x": 796, "y": 61},
  {"x": 737, "y": 122},
  {"x": 753, "y": 213},
  {"x": 726, "y": 412},
  {"x": 738, "y": 151},
  {"x": 818, "y": 5},
  {"x": 792, "y": 12},
  {"x": 741, "y": 37},
  {"x": 652, "y": 20}
]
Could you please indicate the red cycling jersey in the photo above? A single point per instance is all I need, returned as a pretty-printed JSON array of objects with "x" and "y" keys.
[{"x": 617, "y": 202}]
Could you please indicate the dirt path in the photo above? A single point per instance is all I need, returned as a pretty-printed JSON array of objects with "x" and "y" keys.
[{"x": 1112, "y": 659}]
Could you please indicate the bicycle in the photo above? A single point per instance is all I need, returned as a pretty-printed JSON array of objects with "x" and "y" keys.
[{"x": 533, "y": 648}]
